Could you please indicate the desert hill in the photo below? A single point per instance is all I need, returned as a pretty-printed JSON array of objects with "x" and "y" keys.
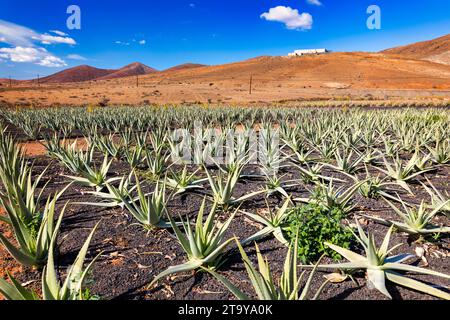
[
  {"x": 349, "y": 68},
  {"x": 436, "y": 50},
  {"x": 87, "y": 73},
  {"x": 76, "y": 74},
  {"x": 132, "y": 69},
  {"x": 185, "y": 66}
]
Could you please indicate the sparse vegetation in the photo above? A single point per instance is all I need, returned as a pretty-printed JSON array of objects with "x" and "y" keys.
[{"x": 314, "y": 225}]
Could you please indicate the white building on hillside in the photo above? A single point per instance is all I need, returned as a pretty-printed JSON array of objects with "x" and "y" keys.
[{"x": 304, "y": 52}]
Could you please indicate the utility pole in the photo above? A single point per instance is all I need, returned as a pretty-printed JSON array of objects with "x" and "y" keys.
[
  {"x": 137, "y": 81},
  {"x": 39, "y": 84},
  {"x": 251, "y": 82},
  {"x": 10, "y": 82}
]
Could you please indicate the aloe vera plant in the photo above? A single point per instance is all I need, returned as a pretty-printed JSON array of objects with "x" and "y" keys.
[
  {"x": 274, "y": 222},
  {"x": 158, "y": 140},
  {"x": 330, "y": 197},
  {"x": 108, "y": 146},
  {"x": 346, "y": 163},
  {"x": 21, "y": 190},
  {"x": 414, "y": 220},
  {"x": 304, "y": 156},
  {"x": 351, "y": 139},
  {"x": 380, "y": 266},
  {"x": 72, "y": 157},
  {"x": 71, "y": 289},
  {"x": 390, "y": 147},
  {"x": 402, "y": 174},
  {"x": 234, "y": 162},
  {"x": 20, "y": 187},
  {"x": 299, "y": 146},
  {"x": 11, "y": 160},
  {"x": 204, "y": 245},
  {"x": 32, "y": 224},
  {"x": 370, "y": 156},
  {"x": 52, "y": 143},
  {"x": 156, "y": 162},
  {"x": 275, "y": 185},
  {"x": 421, "y": 162},
  {"x": 113, "y": 196},
  {"x": 184, "y": 181},
  {"x": 374, "y": 187},
  {"x": 440, "y": 152},
  {"x": 312, "y": 174},
  {"x": 33, "y": 232},
  {"x": 92, "y": 176},
  {"x": 326, "y": 150},
  {"x": 438, "y": 199},
  {"x": 262, "y": 280},
  {"x": 139, "y": 136},
  {"x": 222, "y": 189},
  {"x": 134, "y": 155},
  {"x": 148, "y": 210}
]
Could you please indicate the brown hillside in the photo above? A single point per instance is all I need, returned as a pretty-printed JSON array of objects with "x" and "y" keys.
[
  {"x": 436, "y": 50},
  {"x": 185, "y": 66},
  {"x": 132, "y": 69},
  {"x": 76, "y": 74},
  {"x": 356, "y": 69}
]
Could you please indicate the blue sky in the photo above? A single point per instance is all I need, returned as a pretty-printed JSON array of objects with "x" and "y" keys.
[{"x": 36, "y": 39}]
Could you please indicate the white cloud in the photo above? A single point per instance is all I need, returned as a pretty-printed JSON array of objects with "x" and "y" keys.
[
  {"x": 26, "y": 45},
  {"x": 122, "y": 43},
  {"x": 290, "y": 17},
  {"x": 17, "y": 35},
  {"x": 76, "y": 57},
  {"x": 49, "y": 39},
  {"x": 192, "y": 5},
  {"x": 38, "y": 56},
  {"x": 52, "y": 62},
  {"x": 314, "y": 2},
  {"x": 59, "y": 33},
  {"x": 142, "y": 42}
]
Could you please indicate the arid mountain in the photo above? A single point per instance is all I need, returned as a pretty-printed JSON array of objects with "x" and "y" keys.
[
  {"x": 355, "y": 69},
  {"x": 436, "y": 50},
  {"x": 132, "y": 69},
  {"x": 88, "y": 73},
  {"x": 76, "y": 74},
  {"x": 185, "y": 66}
]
